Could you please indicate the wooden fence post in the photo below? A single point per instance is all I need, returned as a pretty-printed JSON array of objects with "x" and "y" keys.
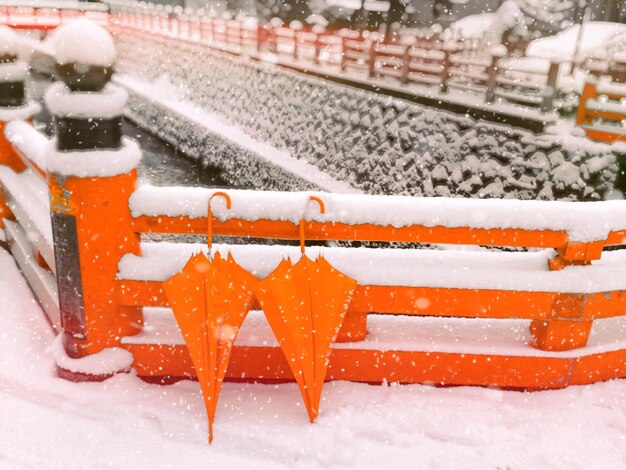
[
  {"x": 445, "y": 72},
  {"x": 551, "y": 89},
  {"x": 344, "y": 58},
  {"x": 406, "y": 65},
  {"x": 371, "y": 69},
  {"x": 492, "y": 73},
  {"x": 91, "y": 175},
  {"x": 589, "y": 92}
]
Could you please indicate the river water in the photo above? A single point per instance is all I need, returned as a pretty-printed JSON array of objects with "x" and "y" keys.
[{"x": 161, "y": 164}]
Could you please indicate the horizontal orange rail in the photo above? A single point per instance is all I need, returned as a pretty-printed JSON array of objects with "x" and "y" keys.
[
  {"x": 438, "y": 302},
  {"x": 169, "y": 362},
  {"x": 361, "y": 232}
]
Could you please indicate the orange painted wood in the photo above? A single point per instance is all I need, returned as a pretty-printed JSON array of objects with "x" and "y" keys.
[
  {"x": 353, "y": 328},
  {"x": 604, "y": 305},
  {"x": 30, "y": 164},
  {"x": 423, "y": 301},
  {"x": 616, "y": 238},
  {"x": 592, "y": 114},
  {"x": 605, "y": 136},
  {"x": 8, "y": 155},
  {"x": 560, "y": 335},
  {"x": 269, "y": 364},
  {"x": 359, "y": 232},
  {"x": 446, "y": 302},
  {"x": 598, "y": 367},
  {"x": 428, "y": 301},
  {"x": 102, "y": 241}
]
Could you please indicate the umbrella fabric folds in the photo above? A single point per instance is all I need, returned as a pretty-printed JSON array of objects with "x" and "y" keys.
[
  {"x": 210, "y": 300},
  {"x": 305, "y": 305}
]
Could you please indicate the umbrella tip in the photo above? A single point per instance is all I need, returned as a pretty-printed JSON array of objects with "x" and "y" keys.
[{"x": 210, "y": 432}]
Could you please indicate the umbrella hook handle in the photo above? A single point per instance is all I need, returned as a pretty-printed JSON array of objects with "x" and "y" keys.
[
  {"x": 210, "y": 215},
  {"x": 322, "y": 211}
]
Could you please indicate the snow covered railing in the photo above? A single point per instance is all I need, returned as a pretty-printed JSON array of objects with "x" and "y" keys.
[
  {"x": 44, "y": 15},
  {"x": 29, "y": 145},
  {"x": 602, "y": 110},
  {"x": 577, "y": 230},
  {"x": 25, "y": 211},
  {"x": 562, "y": 306},
  {"x": 422, "y": 65}
]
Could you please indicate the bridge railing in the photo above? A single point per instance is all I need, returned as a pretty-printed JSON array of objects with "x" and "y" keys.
[
  {"x": 25, "y": 212},
  {"x": 450, "y": 284},
  {"x": 561, "y": 304},
  {"x": 100, "y": 215},
  {"x": 45, "y": 15},
  {"x": 428, "y": 59},
  {"x": 602, "y": 110}
]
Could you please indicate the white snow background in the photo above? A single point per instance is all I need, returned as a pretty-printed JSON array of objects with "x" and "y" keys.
[{"x": 124, "y": 423}]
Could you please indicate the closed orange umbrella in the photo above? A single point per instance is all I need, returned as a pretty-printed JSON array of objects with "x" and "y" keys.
[
  {"x": 305, "y": 305},
  {"x": 210, "y": 300}
]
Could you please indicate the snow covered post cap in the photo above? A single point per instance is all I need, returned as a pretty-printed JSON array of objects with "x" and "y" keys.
[
  {"x": 87, "y": 108},
  {"x": 85, "y": 55},
  {"x": 12, "y": 71}
]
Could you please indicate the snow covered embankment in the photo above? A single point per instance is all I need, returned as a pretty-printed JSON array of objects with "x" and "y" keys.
[{"x": 372, "y": 143}]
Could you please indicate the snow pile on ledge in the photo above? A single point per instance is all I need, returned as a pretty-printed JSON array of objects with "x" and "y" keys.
[
  {"x": 583, "y": 221},
  {"x": 9, "y": 42},
  {"x": 107, "y": 103},
  {"x": 484, "y": 336},
  {"x": 596, "y": 36},
  {"x": 517, "y": 271},
  {"x": 27, "y": 140},
  {"x": 93, "y": 163},
  {"x": 83, "y": 42},
  {"x": 109, "y": 361},
  {"x": 19, "y": 113},
  {"x": 13, "y": 71}
]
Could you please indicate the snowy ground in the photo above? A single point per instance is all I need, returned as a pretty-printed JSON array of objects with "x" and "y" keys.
[{"x": 124, "y": 423}]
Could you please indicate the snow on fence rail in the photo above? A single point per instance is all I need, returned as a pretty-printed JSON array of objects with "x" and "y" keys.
[
  {"x": 561, "y": 304},
  {"x": 25, "y": 212}
]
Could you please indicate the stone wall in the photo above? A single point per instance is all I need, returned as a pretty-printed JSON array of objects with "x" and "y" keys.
[{"x": 378, "y": 144}]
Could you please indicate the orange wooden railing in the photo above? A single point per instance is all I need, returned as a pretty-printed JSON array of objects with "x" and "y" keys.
[
  {"x": 560, "y": 321},
  {"x": 46, "y": 15},
  {"x": 602, "y": 111}
]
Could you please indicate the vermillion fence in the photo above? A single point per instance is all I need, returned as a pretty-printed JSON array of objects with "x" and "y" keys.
[
  {"x": 534, "y": 319},
  {"x": 423, "y": 286}
]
